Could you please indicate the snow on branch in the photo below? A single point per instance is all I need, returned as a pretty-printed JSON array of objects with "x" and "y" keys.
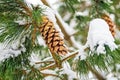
[
  {"x": 81, "y": 55},
  {"x": 34, "y": 3},
  {"x": 67, "y": 70},
  {"x": 8, "y": 53},
  {"x": 33, "y": 59},
  {"x": 99, "y": 36},
  {"x": 14, "y": 48},
  {"x": 11, "y": 51}
]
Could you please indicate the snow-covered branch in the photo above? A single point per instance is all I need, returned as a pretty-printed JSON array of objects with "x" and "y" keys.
[{"x": 99, "y": 36}]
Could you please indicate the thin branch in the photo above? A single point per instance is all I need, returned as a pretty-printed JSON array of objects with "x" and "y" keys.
[
  {"x": 48, "y": 67},
  {"x": 45, "y": 62},
  {"x": 56, "y": 64},
  {"x": 69, "y": 57},
  {"x": 56, "y": 59}
]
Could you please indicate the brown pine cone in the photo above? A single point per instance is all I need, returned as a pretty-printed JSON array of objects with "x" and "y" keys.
[
  {"x": 52, "y": 37},
  {"x": 110, "y": 23}
]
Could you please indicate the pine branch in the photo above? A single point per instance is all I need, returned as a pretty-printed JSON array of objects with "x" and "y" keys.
[
  {"x": 58, "y": 63},
  {"x": 45, "y": 62},
  {"x": 28, "y": 10},
  {"x": 95, "y": 72}
]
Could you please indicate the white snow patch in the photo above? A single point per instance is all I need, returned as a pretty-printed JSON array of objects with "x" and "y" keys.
[
  {"x": 85, "y": 13},
  {"x": 88, "y": 2},
  {"x": 54, "y": 3},
  {"x": 73, "y": 23},
  {"x": 33, "y": 59},
  {"x": 81, "y": 54},
  {"x": 48, "y": 58},
  {"x": 6, "y": 53},
  {"x": 51, "y": 78},
  {"x": 11, "y": 50},
  {"x": 1, "y": 46},
  {"x": 111, "y": 76},
  {"x": 67, "y": 70},
  {"x": 67, "y": 28},
  {"x": 117, "y": 34},
  {"x": 99, "y": 35},
  {"x": 112, "y": 16},
  {"x": 41, "y": 41},
  {"x": 75, "y": 43},
  {"x": 21, "y": 22},
  {"x": 67, "y": 16},
  {"x": 33, "y": 2},
  {"x": 49, "y": 72}
]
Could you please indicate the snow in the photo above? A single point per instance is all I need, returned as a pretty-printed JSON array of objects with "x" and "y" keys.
[
  {"x": 11, "y": 51},
  {"x": 85, "y": 13},
  {"x": 75, "y": 43},
  {"x": 67, "y": 70},
  {"x": 99, "y": 35},
  {"x": 111, "y": 76},
  {"x": 48, "y": 71},
  {"x": 117, "y": 34},
  {"x": 51, "y": 78},
  {"x": 33, "y": 59},
  {"x": 41, "y": 41},
  {"x": 70, "y": 31},
  {"x": 35, "y": 3},
  {"x": 47, "y": 11},
  {"x": 4, "y": 54},
  {"x": 81, "y": 55},
  {"x": 21, "y": 22},
  {"x": 14, "y": 48}
]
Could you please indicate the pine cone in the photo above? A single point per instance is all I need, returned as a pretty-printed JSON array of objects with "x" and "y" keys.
[
  {"x": 52, "y": 37},
  {"x": 110, "y": 23}
]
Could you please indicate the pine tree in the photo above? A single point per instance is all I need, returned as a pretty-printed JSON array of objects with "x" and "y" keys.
[{"x": 80, "y": 40}]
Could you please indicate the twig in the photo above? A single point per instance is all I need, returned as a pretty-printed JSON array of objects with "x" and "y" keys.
[
  {"x": 56, "y": 59},
  {"x": 45, "y": 62},
  {"x": 69, "y": 57},
  {"x": 48, "y": 67}
]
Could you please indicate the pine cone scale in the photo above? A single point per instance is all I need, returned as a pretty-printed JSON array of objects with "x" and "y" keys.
[{"x": 52, "y": 37}]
